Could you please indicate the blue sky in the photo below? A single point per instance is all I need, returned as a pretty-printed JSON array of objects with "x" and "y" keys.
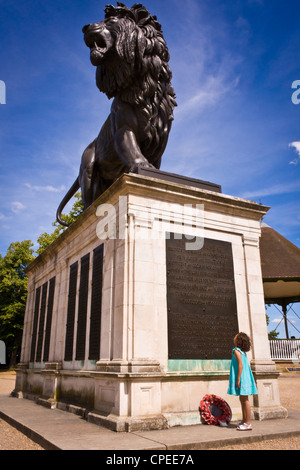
[{"x": 233, "y": 62}]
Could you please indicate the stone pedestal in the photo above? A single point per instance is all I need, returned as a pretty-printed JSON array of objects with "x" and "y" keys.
[{"x": 96, "y": 333}]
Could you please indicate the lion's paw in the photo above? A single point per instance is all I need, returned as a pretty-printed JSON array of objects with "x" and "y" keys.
[{"x": 136, "y": 166}]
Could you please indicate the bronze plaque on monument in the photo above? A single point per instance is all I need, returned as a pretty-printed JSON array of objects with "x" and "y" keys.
[{"x": 201, "y": 300}]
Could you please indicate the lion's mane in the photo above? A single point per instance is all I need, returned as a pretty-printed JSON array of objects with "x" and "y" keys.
[{"x": 140, "y": 75}]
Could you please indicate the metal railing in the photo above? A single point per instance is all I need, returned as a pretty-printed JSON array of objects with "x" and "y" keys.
[{"x": 285, "y": 349}]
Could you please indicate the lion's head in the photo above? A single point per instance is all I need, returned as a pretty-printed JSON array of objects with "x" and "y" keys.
[
  {"x": 131, "y": 56},
  {"x": 130, "y": 53}
]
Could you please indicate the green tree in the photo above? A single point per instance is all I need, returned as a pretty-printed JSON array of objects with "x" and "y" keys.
[
  {"x": 13, "y": 295},
  {"x": 45, "y": 239},
  {"x": 13, "y": 282},
  {"x": 271, "y": 334}
]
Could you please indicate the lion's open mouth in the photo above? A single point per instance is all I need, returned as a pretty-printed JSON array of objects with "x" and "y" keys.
[
  {"x": 99, "y": 40},
  {"x": 100, "y": 43},
  {"x": 95, "y": 42},
  {"x": 97, "y": 52}
]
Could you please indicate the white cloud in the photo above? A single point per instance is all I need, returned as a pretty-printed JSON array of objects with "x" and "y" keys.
[
  {"x": 17, "y": 206},
  {"x": 47, "y": 188},
  {"x": 276, "y": 320},
  {"x": 281, "y": 188},
  {"x": 296, "y": 146},
  {"x": 2, "y": 216},
  {"x": 207, "y": 95}
]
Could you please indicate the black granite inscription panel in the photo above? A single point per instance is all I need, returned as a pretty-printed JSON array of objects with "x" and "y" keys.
[
  {"x": 202, "y": 314},
  {"x": 71, "y": 312},
  {"x": 82, "y": 307},
  {"x": 49, "y": 318},
  {"x": 96, "y": 301},
  {"x": 35, "y": 323},
  {"x": 38, "y": 357}
]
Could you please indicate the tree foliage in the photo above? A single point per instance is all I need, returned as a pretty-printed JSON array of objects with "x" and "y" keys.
[
  {"x": 13, "y": 294},
  {"x": 13, "y": 282},
  {"x": 45, "y": 239}
]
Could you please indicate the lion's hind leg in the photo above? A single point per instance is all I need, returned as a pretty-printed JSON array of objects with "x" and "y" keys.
[{"x": 86, "y": 175}]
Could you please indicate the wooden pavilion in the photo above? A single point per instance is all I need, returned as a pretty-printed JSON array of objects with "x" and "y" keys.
[{"x": 280, "y": 262}]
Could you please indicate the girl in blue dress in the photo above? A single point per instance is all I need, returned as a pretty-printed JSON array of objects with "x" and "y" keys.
[{"x": 241, "y": 380}]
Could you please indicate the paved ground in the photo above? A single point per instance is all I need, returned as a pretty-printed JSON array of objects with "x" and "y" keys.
[{"x": 58, "y": 429}]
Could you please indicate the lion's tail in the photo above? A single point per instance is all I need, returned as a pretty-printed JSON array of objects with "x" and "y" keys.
[{"x": 75, "y": 186}]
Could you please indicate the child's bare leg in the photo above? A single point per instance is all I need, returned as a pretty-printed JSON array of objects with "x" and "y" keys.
[{"x": 246, "y": 408}]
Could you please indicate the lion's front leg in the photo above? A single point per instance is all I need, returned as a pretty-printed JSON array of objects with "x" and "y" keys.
[
  {"x": 126, "y": 131},
  {"x": 128, "y": 149}
]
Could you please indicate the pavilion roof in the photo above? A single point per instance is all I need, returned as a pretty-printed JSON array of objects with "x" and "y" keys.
[{"x": 280, "y": 259}]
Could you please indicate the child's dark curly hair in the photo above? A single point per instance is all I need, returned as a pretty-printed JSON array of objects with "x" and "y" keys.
[{"x": 243, "y": 342}]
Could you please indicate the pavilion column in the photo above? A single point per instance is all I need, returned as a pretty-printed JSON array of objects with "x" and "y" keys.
[
  {"x": 267, "y": 402},
  {"x": 256, "y": 303},
  {"x": 284, "y": 311}
]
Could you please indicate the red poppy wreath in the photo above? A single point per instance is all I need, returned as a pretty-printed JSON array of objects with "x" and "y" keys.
[{"x": 214, "y": 410}]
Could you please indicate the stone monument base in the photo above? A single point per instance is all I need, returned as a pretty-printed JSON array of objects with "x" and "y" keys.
[{"x": 132, "y": 311}]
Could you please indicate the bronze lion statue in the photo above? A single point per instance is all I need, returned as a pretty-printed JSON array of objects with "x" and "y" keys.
[{"x": 131, "y": 56}]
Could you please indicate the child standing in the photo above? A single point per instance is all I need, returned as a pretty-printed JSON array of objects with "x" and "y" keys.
[{"x": 241, "y": 380}]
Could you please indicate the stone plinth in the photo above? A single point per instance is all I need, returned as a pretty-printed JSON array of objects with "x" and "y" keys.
[{"x": 96, "y": 336}]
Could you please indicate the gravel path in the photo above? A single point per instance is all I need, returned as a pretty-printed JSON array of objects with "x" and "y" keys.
[
  {"x": 289, "y": 386},
  {"x": 10, "y": 438},
  {"x": 289, "y": 389}
]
